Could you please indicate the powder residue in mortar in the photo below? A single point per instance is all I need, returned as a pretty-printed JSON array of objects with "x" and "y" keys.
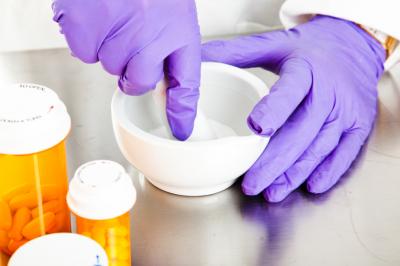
[{"x": 221, "y": 130}]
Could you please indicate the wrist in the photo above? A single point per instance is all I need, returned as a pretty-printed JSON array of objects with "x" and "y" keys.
[{"x": 388, "y": 42}]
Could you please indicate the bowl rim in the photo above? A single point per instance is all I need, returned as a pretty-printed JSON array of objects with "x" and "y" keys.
[{"x": 119, "y": 118}]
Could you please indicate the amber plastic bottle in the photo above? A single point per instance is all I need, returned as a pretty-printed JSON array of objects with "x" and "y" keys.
[
  {"x": 33, "y": 174},
  {"x": 101, "y": 196}
]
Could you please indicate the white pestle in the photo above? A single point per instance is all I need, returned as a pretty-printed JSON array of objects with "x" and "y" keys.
[{"x": 202, "y": 130}]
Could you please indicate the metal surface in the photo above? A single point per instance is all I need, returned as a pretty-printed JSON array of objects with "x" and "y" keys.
[{"x": 356, "y": 223}]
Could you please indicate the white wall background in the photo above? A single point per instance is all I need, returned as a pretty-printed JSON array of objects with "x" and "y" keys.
[{"x": 28, "y": 24}]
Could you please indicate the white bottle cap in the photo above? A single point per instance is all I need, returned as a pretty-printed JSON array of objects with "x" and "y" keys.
[
  {"x": 61, "y": 249},
  {"x": 32, "y": 119},
  {"x": 101, "y": 190}
]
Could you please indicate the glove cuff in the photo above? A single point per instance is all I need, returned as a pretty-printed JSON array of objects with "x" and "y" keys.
[{"x": 388, "y": 42}]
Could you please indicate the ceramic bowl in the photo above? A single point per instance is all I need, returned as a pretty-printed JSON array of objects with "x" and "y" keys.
[{"x": 193, "y": 168}]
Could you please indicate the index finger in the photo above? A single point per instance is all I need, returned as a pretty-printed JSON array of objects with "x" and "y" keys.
[
  {"x": 272, "y": 111},
  {"x": 183, "y": 73}
]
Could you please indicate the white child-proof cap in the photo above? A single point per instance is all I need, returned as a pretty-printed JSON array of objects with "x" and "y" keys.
[
  {"x": 101, "y": 190},
  {"x": 32, "y": 119},
  {"x": 61, "y": 249}
]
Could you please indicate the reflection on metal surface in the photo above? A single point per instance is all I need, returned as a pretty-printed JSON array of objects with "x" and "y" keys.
[{"x": 356, "y": 223}]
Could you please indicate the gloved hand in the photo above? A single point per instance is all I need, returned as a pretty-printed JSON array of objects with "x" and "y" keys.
[
  {"x": 320, "y": 111},
  {"x": 139, "y": 40}
]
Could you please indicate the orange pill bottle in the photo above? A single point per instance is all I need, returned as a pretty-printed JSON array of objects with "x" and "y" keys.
[
  {"x": 101, "y": 195},
  {"x": 33, "y": 176}
]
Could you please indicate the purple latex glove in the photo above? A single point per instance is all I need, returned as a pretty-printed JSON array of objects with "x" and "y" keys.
[
  {"x": 320, "y": 111},
  {"x": 139, "y": 40}
]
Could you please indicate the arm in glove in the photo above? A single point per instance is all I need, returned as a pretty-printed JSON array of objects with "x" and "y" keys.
[
  {"x": 139, "y": 40},
  {"x": 320, "y": 111}
]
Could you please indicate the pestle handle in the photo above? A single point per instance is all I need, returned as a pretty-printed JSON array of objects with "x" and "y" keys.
[{"x": 202, "y": 129}]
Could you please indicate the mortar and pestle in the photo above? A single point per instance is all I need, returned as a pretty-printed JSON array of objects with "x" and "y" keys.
[{"x": 221, "y": 148}]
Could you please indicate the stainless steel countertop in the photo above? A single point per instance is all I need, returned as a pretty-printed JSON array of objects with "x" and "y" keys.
[{"x": 356, "y": 223}]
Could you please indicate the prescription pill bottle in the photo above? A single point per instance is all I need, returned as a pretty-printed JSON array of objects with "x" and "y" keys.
[
  {"x": 33, "y": 176},
  {"x": 61, "y": 249},
  {"x": 101, "y": 195}
]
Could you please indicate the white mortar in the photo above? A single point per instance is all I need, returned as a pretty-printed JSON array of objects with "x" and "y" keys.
[{"x": 201, "y": 167}]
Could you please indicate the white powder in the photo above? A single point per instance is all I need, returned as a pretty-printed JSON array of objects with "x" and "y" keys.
[
  {"x": 220, "y": 131},
  {"x": 204, "y": 128}
]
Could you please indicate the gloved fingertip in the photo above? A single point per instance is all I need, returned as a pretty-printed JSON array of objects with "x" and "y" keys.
[
  {"x": 255, "y": 126},
  {"x": 316, "y": 184},
  {"x": 129, "y": 88},
  {"x": 182, "y": 133},
  {"x": 181, "y": 108},
  {"x": 57, "y": 14},
  {"x": 181, "y": 121},
  {"x": 274, "y": 195},
  {"x": 250, "y": 184},
  {"x": 249, "y": 191},
  {"x": 56, "y": 18}
]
